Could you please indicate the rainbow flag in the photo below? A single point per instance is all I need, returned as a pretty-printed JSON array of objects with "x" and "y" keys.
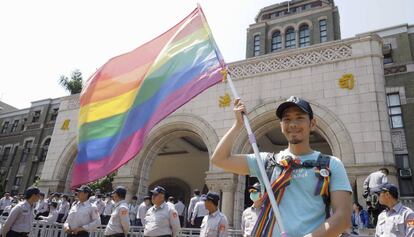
[{"x": 132, "y": 92}]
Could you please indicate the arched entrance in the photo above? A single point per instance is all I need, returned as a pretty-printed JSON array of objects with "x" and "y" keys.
[
  {"x": 180, "y": 165},
  {"x": 175, "y": 187},
  {"x": 178, "y": 147}
]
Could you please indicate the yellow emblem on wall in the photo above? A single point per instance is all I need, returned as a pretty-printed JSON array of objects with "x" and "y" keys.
[
  {"x": 224, "y": 101},
  {"x": 65, "y": 125},
  {"x": 347, "y": 81}
]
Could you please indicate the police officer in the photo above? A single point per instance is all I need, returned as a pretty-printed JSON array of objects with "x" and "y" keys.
[
  {"x": 214, "y": 224},
  {"x": 199, "y": 213},
  {"x": 193, "y": 202},
  {"x": 119, "y": 223},
  {"x": 180, "y": 207},
  {"x": 109, "y": 207},
  {"x": 250, "y": 215},
  {"x": 83, "y": 217},
  {"x": 20, "y": 220},
  {"x": 397, "y": 220},
  {"x": 142, "y": 210},
  {"x": 53, "y": 215},
  {"x": 161, "y": 219},
  {"x": 133, "y": 211},
  {"x": 5, "y": 201},
  {"x": 42, "y": 207}
]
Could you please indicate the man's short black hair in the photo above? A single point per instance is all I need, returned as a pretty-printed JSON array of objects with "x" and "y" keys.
[
  {"x": 54, "y": 204},
  {"x": 385, "y": 170},
  {"x": 30, "y": 192},
  {"x": 196, "y": 192},
  {"x": 134, "y": 198}
]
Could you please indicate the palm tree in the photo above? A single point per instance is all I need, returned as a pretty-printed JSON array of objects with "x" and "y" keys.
[{"x": 74, "y": 84}]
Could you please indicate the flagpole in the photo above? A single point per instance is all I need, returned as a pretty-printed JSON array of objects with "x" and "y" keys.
[{"x": 259, "y": 161}]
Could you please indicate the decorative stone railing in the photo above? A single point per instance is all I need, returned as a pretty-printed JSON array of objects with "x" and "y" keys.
[{"x": 292, "y": 59}]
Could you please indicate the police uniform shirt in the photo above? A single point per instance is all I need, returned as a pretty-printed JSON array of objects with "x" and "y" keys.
[
  {"x": 100, "y": 205},
  {"x": 51, "y": 218},
  {"x": 64, "y": 209},
  {"x": 162, "y": 220},
  {"x": 193, "y": 202},
  {"x": 83, "y": 215},
  {"x": 109, "y": 205},
  {"x": 4, "y": 202},
  {"x": 214, "y": 225},
  {"x": 8, "y": 209},
  {"x": 42, "y": 206},
  {"x": 179, "y": 206},
  {"x": 142, "y": 212},
  {"x": 119, "y": 222},
  {"x": 20, "y": 218},
  {"x": 133, "y": 211},
  {"x": 396, "y": 222},
  {"x": 249, "y": 218},
  {"x": 199, "y": 210}
]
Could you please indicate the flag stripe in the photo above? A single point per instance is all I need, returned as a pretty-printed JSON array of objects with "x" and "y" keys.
[
  {"x": 152, "y": 83},
  {"x": 121, "y": 84},
  {"x": 142, "y": 55},
  {"x": 124, "y": 151},
  {"x": 128, "y": 81},
  {"x": 131, "y": 93},
  {"x": 97, "y": 148}
]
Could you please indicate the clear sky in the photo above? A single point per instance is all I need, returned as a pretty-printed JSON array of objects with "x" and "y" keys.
[{"x": 41, "y": 40}]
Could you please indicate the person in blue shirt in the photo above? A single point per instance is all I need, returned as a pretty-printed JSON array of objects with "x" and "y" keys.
[
  {"x": 302, "y": 211},
  {"x": 360, "y": 218}
]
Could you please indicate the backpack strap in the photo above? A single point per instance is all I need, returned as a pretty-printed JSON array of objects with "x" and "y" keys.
[
  {"x": 322, "y": 188},
  {"x": 322, "y": 172},
  {"x": 270, "y": 163}
]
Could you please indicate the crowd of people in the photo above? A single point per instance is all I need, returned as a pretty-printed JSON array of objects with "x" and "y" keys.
[
  {"x": 85, "y": 212},
  {"x": 312, "y": 191}
]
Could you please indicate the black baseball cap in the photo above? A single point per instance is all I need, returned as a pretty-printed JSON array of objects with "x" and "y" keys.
[
  {"x": 120, "y": 190},
  {"x": 85, "y": 189},
  {"x": 212, "y": 196},
  {"x": 158, "y": 190},
  {"x": 388, "y": 187},
  {"x": 294, "y": 101}
]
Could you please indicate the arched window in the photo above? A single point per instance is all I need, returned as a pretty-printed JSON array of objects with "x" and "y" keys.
[
  {"x": 304, "y": 39},
  {"x": 290, "y": 41},
  {"x": 256, "y": 49},
  {"x": 45, "y": 148},
  {"x": 276, "y": 41}
]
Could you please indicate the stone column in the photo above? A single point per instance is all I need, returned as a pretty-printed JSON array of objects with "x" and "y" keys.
[
  {"x": 219, "y": 181},
  {"x": 227, "y": 206},
  {"x": 297, "y": 38}
]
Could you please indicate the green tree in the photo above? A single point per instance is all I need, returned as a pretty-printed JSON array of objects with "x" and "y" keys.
[
  {"x": 104, "y": 184},
  {"x": 74, "y": 84}
]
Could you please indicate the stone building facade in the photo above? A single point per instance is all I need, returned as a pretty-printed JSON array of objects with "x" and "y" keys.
[
  {"x": 398, "y": 51},
  {"x": 25, "y": 136},
  {"x": 352, "y": 123},
  {"x": 292, "y": 24}
]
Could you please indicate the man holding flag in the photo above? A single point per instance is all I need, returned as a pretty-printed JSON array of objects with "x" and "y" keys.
[{"x": 306, "y": 183}]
